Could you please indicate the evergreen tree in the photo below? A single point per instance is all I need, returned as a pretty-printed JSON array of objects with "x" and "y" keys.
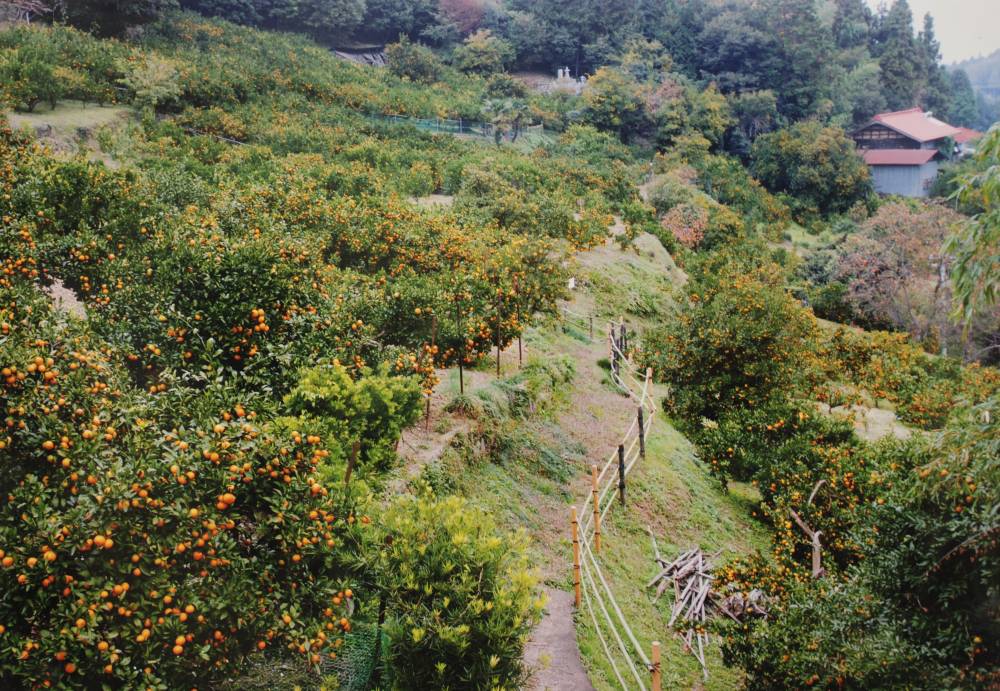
[
  {"x": 807, "y": 52},
  {"x": 936, "y": 96},
  {"x": 851, "y": 24},
  {"x": 900, "y": 57},
  {"x": 964, "y": 110}
]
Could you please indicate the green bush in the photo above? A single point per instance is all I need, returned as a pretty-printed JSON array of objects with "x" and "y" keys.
[
  {"x": 371, "y": 409},
  {"x": 483, "y": 53},
  {"x": 413, "y": 61},
  {"x": 816, "y": 165},
  {"x": 460, "y": 599},
  {"x": 735, "y": 342}
]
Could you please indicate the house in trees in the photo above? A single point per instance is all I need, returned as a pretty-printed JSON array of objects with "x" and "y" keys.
[
  {"x": 903, "y": 150},
  {"x": 966, "y": 140}
]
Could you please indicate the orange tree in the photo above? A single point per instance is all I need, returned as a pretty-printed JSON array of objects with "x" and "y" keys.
[
  {"x": 735, "y": 340},
  {"x": 150, "y": 541}
]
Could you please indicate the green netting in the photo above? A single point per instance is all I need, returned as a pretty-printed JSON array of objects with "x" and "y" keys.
[{"x": 356, "y": 659}]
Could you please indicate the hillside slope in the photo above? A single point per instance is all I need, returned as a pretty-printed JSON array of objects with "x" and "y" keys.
[{"x": 546, "y": 466}]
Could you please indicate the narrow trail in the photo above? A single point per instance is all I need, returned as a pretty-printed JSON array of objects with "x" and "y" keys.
[
  {"x": 592, "y": 417},
  {"x": 552, "y": 653}
]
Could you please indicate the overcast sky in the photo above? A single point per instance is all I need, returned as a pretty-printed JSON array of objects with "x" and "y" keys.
[{"x": 965, "y": 28}]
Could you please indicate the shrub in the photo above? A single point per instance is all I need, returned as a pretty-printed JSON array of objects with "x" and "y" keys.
[
  {"x": 687, "y": 224},
  {"x": 371, "y": 410},
  {"x": 483, "y": 53},
  {"x": 826, "y": 634},
  {"x": 669, "y": 190},
  {"x": 817, "y": 165},
  {"x": 152, "y": 79},
  {"x": 459, "y": 597},
  {"x": 413, "y": 61}
]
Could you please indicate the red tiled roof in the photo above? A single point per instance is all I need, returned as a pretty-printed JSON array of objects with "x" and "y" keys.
[
  {"x": 916, "y": 124},
  {"x": 898, "y": 157},
  {"x": 967, "y": 135}
]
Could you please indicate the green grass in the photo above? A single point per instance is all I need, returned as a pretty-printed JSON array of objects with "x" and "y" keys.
[
  {"x": 670, "y": 492},
  {"x": 68, "y": 116},
  {"x": 672, "y": 495}
]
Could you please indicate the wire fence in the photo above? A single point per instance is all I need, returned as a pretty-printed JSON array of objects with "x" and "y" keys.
[
  {"x": 475, "y": 128},
  {"x": 626, "y": 655}
]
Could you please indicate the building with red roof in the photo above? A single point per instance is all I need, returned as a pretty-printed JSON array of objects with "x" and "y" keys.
[{"x": 903, "y": 150}]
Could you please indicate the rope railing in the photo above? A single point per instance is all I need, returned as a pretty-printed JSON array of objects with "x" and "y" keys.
[{"x": 617, "y": 639}]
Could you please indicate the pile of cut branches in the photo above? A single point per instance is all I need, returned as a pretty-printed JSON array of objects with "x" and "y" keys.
[{"x": 690, "y": 574}]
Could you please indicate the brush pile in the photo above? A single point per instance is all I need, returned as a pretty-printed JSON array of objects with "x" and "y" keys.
[{"x": 695, "y": 600}]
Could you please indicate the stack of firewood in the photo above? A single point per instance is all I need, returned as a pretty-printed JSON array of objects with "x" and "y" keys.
[{"x": 695, "y": 600}]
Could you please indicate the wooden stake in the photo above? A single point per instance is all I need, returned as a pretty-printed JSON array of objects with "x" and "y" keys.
[
  {"x": 597, "y": 509},
  {"x": 612, "y": 346},
  {"x": 590, "y": 320},
  {"x": 351, "y": 460},
  {"x": 576, "y": 558},
  {"x": 654, "y": 682},
  {"x": 434, "y": 331},
  {"x": 621, "y": 473},
  {"x": 461, "y": 353},
  {"x": 642, "y": 436},
  {"x": 499, "y": 298}
]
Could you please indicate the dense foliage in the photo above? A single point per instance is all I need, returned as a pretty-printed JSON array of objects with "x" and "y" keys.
[
  {"x": 176, "y": 505},
  {"x": 733, "y": 342},
  {"x": 460, "y": 595},
  {"x": 816, "y": 166}
]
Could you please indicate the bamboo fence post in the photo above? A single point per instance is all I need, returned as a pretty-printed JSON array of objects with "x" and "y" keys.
[
  {"x": 597, "y": 508},
  {"x": 612, "y": 345},
  {"x": 517, "y": 318},
  {"x": 576, "y": 557},
  {"x": 621, "y": 473},
  {"x": 654, "y": 682},
  {"x": 642, "y": 436}
]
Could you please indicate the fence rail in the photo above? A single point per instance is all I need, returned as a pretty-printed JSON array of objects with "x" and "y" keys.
[{"x": 626, "y": 655}]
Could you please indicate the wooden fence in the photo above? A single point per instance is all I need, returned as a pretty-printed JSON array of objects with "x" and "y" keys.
[{"x": 608, "y": 486}]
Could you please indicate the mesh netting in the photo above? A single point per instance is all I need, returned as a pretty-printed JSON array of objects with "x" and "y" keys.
[{"x": 356, "y": 660}]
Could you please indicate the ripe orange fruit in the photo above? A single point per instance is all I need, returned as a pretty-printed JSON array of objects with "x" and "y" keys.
[
  {"x": 70, "y": 668},
  {"x": 178, "y": 650},
  {"x": 102, "y": 646}
]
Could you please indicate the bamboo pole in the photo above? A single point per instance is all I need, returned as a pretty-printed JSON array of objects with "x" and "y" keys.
[
  {"x": 621, "y": 473},
  {"x": 642, "y": 436},
  {"x": 576, "y": 557},
  {"x": 597, "y": 509},
  {"x": 654, "y": 682}
]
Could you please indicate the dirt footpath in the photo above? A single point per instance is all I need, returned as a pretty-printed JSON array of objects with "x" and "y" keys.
[{"x": 552, "y": 653}]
